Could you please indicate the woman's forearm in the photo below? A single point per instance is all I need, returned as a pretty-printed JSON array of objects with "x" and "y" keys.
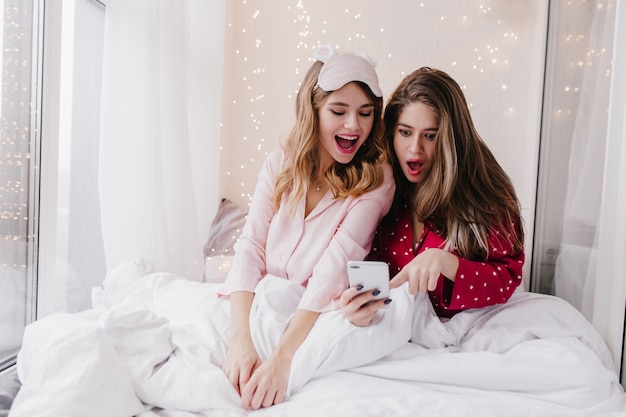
[{"x": 240, "y": 306}]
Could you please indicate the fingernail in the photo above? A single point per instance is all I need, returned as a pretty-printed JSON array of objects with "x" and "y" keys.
[
  {"x": 359, "y": 287},
  {"x": 375, "y": 292},
  {"x": 388, "y": 300}
]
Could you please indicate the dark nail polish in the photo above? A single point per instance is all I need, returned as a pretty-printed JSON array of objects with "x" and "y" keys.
[
  {"x": 375, "y": 292},
  {"x": 359, "y": 287},
  {"x": 388, "y": 300}
]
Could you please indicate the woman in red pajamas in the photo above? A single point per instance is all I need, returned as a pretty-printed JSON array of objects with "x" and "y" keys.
[{"x": 455, "y": 228}]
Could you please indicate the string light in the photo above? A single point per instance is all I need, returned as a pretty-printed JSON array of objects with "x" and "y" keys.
[
  {"x": 482, "y": 44},
  {"x": 490, "y": 48},
  {"x": 15, "y": 143},
  {"x": 497, "y": 43}
]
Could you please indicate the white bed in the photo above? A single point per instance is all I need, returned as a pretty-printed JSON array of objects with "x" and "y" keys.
[
  {"x": 149, "y": 346},
  {"x": 144, "y": 350}
]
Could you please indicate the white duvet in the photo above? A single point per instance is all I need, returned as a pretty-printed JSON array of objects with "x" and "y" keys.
[{"x": 153, "y": 342}]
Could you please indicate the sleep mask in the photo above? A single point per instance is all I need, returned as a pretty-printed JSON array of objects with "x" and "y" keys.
[{"x": 340, "y": 69}]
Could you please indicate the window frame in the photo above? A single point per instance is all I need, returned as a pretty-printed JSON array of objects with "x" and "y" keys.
[{"x": 48, "y": 167}]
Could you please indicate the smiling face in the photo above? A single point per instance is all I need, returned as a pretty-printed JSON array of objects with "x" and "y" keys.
[
  {"x": 414, "y": 140},
  {"x": 345, "y": 121}
]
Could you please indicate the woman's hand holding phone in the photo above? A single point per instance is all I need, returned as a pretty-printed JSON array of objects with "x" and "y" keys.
[{"x": 368, "y": 292}]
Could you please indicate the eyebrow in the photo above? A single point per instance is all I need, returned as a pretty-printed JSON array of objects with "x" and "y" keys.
[
  {"x": 339, "y": 103},
  {"x": 428, "y": 129}
]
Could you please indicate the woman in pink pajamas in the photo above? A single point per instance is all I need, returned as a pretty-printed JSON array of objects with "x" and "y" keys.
[{"x": 316, "y": 206}]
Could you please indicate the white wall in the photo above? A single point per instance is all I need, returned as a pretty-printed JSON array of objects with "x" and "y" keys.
[{"x": 494, "y": 49}]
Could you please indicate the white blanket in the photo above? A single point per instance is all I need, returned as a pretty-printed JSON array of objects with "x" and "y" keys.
[{"x": 153, "y": 343}]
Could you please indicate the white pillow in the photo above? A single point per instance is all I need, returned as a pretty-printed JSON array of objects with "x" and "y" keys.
[
  {"x": 225, "y": 229},
  {"x": 224, "y": 233}
]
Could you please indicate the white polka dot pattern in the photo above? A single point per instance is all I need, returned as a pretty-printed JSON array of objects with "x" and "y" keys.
[{"x": 477, "y": 284}]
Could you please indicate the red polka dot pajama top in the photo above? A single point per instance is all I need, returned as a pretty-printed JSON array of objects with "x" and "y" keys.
[{"x": 477, "y": 284}]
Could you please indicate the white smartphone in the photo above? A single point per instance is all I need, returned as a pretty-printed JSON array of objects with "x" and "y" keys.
[{"x": 371, "y": 274}]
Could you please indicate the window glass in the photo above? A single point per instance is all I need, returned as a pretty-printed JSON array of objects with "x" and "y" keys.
[
  {"x": 18, "y": 182},
  {"x": 51, "y": 251}
]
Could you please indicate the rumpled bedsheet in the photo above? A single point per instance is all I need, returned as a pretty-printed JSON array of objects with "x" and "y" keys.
[{"x": 153, "y": 344}]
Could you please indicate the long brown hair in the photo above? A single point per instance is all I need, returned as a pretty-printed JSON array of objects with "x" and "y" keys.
[
  {"x": 362, "y": 174},
  {"x": 467, "y": 193}
]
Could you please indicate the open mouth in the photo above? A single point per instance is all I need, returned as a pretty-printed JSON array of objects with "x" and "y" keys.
[
  {"x": 346, "y": 143},
  {"x": 414, "y": 167}
]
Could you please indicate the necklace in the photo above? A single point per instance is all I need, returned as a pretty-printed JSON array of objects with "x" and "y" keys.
[{"x": 318, "y": 185}]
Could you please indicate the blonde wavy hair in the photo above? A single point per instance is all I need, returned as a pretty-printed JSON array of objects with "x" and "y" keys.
[
  {"x": 364, "y": 173},
  {"x": 467, "y": 193}
]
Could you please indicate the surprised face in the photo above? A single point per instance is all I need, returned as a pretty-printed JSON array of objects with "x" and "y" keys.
[
  {"x": 346, "y": 119},
  {"x": 414, "y": 140}
]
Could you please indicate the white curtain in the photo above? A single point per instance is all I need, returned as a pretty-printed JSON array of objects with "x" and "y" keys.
[
  {"x": 575, "y": 272},
  {"x": 151, "y": 177}
]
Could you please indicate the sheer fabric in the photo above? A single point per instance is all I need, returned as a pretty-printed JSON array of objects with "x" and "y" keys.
[
  {"x": 153, "y": 177},
  {"x": 575, "y": 272}
]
